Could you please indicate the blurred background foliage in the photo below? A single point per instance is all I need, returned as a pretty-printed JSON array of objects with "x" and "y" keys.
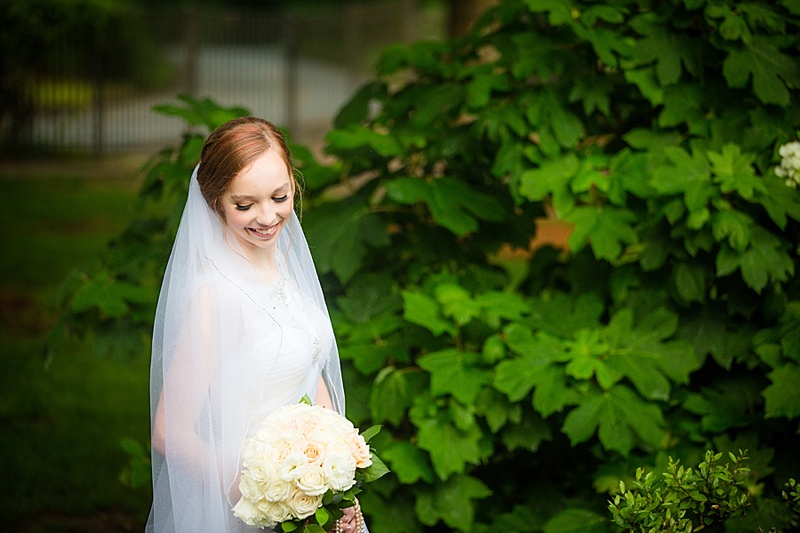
[{"x": 519, "y": 383}]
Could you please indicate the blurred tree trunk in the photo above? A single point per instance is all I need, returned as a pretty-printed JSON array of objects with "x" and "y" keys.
[{"x": 462, "y": 14}]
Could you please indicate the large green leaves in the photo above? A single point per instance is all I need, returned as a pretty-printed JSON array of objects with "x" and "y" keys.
[
  {"x": 340, "y": 234},
  {"x": 781, "y": 395},
  {"x": 452, "y": 203},
  {"x": 773, "y": 73},
  {"x": 619, "y": 416}
]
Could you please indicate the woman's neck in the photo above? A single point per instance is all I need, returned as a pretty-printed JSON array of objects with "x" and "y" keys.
[{"x": 263, "y": 261}]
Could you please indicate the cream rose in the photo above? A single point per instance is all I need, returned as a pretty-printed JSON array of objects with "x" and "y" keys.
[
  {"x": 359, "y": 450},
  {"x": 302, "y": 505},
  {"x": 313, "y": 482}
]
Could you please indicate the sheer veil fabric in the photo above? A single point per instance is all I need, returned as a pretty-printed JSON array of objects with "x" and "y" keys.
[{"x": 227, "y": 350}]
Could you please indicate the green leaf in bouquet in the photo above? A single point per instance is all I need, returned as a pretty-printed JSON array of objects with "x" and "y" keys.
[
  {"x": 322, "y": 515},
  {"x": 371, "y": 432},
  {"x": 289, "y": 526},
  {"x": 314, "y": 528},
  {"x": 376, "y": 470}
]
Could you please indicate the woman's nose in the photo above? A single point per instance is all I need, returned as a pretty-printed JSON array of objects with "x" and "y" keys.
[{"x": 265, "y": 215}]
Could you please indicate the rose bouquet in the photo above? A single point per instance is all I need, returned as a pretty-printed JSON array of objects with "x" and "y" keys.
[{"x": 302, "y": 467}]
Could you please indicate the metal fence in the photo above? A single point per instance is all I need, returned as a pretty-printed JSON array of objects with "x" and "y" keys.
[{"x": 294, "y": 69}]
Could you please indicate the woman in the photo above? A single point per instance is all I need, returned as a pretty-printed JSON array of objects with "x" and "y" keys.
[{"x": 241, "y": 328}]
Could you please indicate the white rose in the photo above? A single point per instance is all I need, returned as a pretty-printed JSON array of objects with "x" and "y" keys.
[
  {"x": 340, "y": 469},
  {"x": 246, "y": 512},
  {"x": 294, "y": 466},
  {"x": 302, "y": 505},
  {"x": 254, "y": 451},
  {"x": 309, "y": 419},
  {"x": 249, "y": 488},
  {"x": 263, "y": 470},
  {"x": 276, "y": 490},
  {"x": 274, "y": 512},
  {"x": 313, "y": 482},
  {"x": 292, "y": 438}
]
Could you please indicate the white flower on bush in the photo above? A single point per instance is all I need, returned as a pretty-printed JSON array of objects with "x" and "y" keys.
[
  {"x": 790, "y": 164},
  {"x": 300, "y": 453}
]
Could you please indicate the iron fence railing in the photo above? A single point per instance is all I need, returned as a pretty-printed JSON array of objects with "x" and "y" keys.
[{"x": 294, "y": 69}]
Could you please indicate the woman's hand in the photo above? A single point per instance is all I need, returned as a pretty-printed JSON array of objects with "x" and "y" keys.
[{"x": 351, "y": 522}]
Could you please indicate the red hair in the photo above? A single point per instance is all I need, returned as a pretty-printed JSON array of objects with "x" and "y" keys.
[{"x": 233, "y": 147}]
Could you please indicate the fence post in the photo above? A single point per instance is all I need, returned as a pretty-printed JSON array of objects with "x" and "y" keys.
[
  {"x": 191, "y": 36},
  {"x": 98, "y": 97},
  {"x": 291, "y": 72}
]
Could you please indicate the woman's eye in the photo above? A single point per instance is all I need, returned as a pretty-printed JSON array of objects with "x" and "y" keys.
[
  {"x": 242, "y": 207},
  {"x": 282, "y": 198}
]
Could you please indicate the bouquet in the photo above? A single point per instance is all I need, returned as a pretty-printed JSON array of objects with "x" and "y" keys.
[{"x": 302, "y": 467}]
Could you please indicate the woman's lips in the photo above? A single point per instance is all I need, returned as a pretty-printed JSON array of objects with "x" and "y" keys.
[{"x": 264, "y": 233}]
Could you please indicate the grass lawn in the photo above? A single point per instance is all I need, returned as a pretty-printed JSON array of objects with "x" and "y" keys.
[{"x": 61, "y": 423}]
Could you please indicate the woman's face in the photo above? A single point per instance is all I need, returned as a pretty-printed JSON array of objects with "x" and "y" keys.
[{"x": 259, "y": 202}]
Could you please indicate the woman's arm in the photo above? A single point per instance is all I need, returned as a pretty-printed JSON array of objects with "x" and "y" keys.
[
  {"x": 184, "y": 392},
  {"x": 323, "y": 397}
]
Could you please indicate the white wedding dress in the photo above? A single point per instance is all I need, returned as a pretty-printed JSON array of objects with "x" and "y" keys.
[{"x": 227, "y": 350}]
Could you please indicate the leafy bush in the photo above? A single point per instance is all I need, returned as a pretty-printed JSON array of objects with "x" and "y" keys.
[
  {"x": 684, "y": 499},
  {"x": 517, "y": 388}
]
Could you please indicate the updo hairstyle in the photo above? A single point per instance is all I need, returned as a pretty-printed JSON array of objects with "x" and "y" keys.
[{"x": 231, "y": 148}]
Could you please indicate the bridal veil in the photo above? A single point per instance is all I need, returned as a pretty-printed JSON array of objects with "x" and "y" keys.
[{"x": 218, "y": 335}]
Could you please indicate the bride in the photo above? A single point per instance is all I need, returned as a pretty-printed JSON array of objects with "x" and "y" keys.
[{"x": 241, "y": 328}]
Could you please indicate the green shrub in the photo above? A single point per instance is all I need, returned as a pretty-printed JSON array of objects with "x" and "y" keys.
[{"x": 684, "y": 499}]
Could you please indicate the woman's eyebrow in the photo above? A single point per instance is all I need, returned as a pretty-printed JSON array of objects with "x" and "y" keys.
[{"x": 240, "y": 197}]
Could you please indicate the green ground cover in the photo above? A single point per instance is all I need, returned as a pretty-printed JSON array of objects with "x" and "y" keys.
[{"x": 61, "y": 422}]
